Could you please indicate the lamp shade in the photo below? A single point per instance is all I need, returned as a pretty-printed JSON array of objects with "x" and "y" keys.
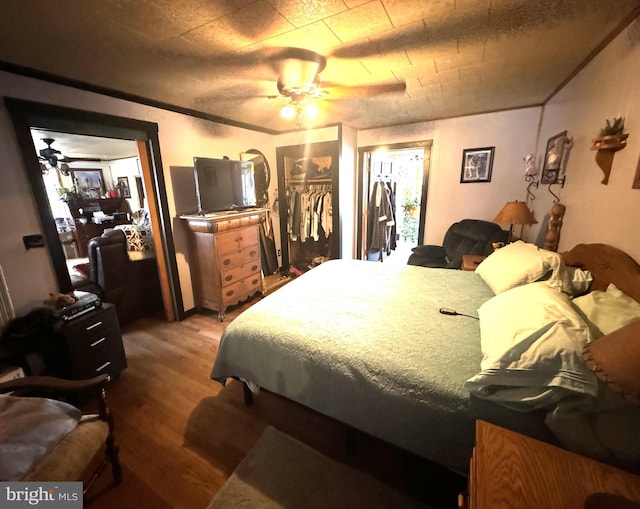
[{"x": 515, "y": 212}]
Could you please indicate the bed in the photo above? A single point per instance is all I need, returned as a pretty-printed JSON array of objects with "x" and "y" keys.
[{"x": 367, "y": 345}]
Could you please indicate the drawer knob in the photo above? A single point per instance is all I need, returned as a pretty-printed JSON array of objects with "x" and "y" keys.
[
  {"x": 229, "y": 293},
  {"x": 228, "y": 278},
  {"x": 252, "y": 252},
  {"x": 226, "y": 261},
  {"x": 254, "y": 282},
  {"x": 255, "y": 267}
]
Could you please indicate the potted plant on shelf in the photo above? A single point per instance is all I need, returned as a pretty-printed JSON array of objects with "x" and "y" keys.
[{"x": 612, "y": 136}]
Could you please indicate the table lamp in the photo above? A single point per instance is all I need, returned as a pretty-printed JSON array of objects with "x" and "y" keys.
[{"x": 514, "y": 212}]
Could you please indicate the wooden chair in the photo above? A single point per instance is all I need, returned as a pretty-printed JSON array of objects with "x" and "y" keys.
[{"x": 73, "y": 454}]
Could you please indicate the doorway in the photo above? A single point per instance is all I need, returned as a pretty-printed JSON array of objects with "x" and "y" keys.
[
  {"x": 26, "y": 115},
  {"x": 398, "y": 173},
  {"x": 87, "y": 182}
]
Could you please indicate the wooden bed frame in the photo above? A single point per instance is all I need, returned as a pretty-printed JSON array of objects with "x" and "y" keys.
[{"x": 608, "y": 265}]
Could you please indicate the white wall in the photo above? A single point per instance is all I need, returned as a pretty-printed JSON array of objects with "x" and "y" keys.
[
  {"x": 608, "y": 87},
  {"x": 348, "y": 191},
  {"x": 512, "y": 133}
]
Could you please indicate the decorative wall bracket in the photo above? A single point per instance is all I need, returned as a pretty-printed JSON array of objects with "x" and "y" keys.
[
  {"x": 607, "y": 146},
  {"x": 535, "y": 183},
  {"x": 554, "y": 166}
]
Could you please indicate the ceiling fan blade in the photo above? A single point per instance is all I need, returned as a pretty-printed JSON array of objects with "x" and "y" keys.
[
  {"x": 66, "y": 159},
  {"x": 330, "y": 91},
  {"x": 49, "y": 151}
]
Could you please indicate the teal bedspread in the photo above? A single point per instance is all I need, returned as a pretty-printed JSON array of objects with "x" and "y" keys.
[{"x": 365, "y": 343}]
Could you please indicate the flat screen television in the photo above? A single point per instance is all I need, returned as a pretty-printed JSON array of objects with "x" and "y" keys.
[{"x": 224, "y": 184}]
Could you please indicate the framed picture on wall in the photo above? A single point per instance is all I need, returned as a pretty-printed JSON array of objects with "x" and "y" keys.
[
  {"x": 123, "y": 187},
  {"x": 477, "y": 164},
  {"x": 89, "y": 182}
]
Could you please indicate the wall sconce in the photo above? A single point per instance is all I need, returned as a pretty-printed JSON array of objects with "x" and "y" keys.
[
  {"x": 531, "y": 175},
  {"x": 554, "y": 167}
]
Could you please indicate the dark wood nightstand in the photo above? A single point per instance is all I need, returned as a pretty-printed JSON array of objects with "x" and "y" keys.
[
  {"x": 95, "y": 344},
  {"x": 509, "y": 470},
  {"x": 471, "y": 262}
]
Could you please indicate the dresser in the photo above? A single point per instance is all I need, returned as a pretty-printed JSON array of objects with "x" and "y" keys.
[
  {"x": 94, "y": 343},
  {"x": 225, "y": 258},
  {"x": 509, "y": 470}
]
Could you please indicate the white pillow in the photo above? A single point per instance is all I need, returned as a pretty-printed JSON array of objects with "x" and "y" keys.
[
  {"x": 532, "y": 341},
  {"x": 610, "y": 310},
  {"x": 579, "y": 279},
  {"x": 520, "y": 263}
]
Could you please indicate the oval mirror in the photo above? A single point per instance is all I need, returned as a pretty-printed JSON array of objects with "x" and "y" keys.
[{"x": 262, "y": 173}]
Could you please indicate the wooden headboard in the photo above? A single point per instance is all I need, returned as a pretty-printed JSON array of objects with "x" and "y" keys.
[{"x": 607, "y": 264}]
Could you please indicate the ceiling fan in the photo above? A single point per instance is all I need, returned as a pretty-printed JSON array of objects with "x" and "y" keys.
[
  {"x": 299, "y": 80},
  {"x": 54, "y": 157}
]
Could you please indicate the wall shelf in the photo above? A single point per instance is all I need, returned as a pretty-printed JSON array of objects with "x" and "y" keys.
[{"x": 607, "y": 146}]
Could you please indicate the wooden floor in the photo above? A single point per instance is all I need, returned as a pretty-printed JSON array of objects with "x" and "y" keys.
[{"x": 181, "y": 435}]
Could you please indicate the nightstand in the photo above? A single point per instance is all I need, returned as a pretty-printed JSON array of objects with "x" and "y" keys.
[
  {"x": 471, "y": 262},
  {"x": 509, "y": 470},
  {"x": 95, "y": 344}
]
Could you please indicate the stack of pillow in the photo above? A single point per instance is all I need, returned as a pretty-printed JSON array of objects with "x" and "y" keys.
[{"x": 540, "y": 338}]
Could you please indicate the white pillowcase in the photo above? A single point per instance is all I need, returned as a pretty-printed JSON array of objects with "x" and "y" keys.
[
  {"x": 580, "y": 280},
  {"x": 532, "y": 341},
  {"x": 610, "y": 310},
  {"x": 520, "y": 263}
]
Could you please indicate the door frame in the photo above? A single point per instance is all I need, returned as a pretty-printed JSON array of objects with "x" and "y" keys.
[
  {"x": 28, "y": 114},
  {"x": 363, "y": 183}
]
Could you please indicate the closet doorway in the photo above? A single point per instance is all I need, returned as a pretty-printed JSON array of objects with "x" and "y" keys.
[{"x": 392, "y": 198}]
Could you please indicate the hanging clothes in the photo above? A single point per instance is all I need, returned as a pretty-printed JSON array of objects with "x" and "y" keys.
[
  {"x": 380, "y": 219},
  {"x": 310, "y": 215},
  {"x": 391, "y": 186}
]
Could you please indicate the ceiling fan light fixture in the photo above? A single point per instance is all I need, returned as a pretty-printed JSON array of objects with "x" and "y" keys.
[
  {"x": 300, "y": 75},
  {"x": 311, "y": 110},
  {"x": 288, "y": 111}
]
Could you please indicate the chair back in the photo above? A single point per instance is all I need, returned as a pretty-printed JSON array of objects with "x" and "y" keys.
[
  {"x": 110, "y": 264},
  {"x": 471, "y": 236}
]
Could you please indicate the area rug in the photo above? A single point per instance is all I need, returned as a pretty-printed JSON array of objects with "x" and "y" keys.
[{"x": 281, "y": 472}]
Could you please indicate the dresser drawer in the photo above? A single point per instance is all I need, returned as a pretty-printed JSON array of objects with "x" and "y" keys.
[
  {"x": 103, "y": 353},
  {"x": 238, "y": 257},
  {"x": 242, "y": 289},
  {"x": 231, "y": 276},
  {"x": 228, "y": 242},
  {"x": 92, "y": 324}
]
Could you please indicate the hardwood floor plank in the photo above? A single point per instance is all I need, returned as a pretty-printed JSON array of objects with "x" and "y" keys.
[{"x": 181, "y": 435}]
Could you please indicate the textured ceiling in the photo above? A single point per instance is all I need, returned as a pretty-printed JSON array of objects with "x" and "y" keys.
[
  {"x": 77, "y": 145},
  {"x": 457, "y": 57}
]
